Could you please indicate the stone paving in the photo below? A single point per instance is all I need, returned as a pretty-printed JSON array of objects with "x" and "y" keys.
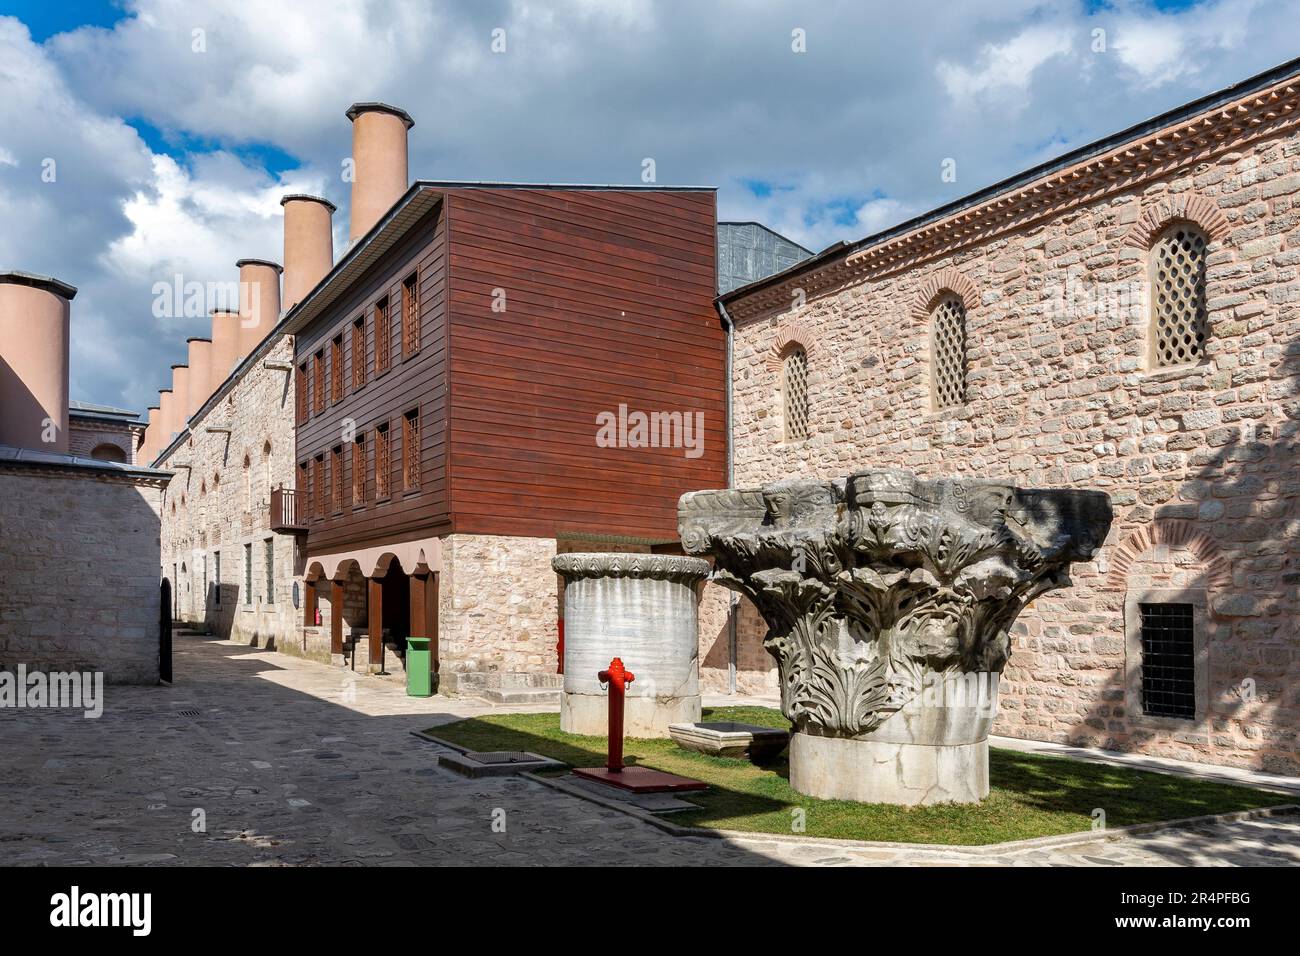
[{"x": 289, "y": 762}]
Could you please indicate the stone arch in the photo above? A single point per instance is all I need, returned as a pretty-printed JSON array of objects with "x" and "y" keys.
[
  {"x": 1199, "y": 211},
  {"x": 790, "y": 335},
  {"x": 943, "y": 282},
  {"x": 1171, "y": 533},
  {"x": 108, "y": 451}
]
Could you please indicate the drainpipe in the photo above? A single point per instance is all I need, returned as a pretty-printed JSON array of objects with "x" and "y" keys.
[{"x": 733, "y": 599}]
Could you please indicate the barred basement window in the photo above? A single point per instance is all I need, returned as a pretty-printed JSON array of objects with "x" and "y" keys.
[
  {"x": 1179, "y": 320},
  {"x": 948, "y": 338},
  {"x": 1168, "y": 661},
  {"x": 270, "y": 570},
  {"x": 382, "y": 336},
  {"x": 794, "y": 394}
]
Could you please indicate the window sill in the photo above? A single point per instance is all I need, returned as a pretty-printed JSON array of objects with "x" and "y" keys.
[{"x": 1171, "y": 373}]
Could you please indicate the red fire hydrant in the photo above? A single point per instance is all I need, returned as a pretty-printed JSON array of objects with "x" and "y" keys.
[{"x": 617, "y": 678}]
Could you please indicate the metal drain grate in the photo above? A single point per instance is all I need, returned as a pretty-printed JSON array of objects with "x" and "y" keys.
[{"x": 187, "y": 713}]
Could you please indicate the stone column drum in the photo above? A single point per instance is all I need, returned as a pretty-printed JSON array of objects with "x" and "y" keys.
[
  {"x": 641, "y": 608},
  {"x": 888, "y": 600}
]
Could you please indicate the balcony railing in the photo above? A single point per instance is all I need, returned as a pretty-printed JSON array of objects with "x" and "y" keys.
[{"x": 284, "y": 512}]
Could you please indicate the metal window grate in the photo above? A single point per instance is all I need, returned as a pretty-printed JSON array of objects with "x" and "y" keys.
[
  {"x": 1180, "y": 322},
  {"x": 1168, "y": 661},
  {"x": 336, "y": 478},
  {"x": 336, "y": 369},
  {"x": 949, "y": 337},
  {"x": 795, "y": 394},
  {"x": 411, "y": 450},
  {"x": 359, "y": 470},
  {"x": 383, "y": 465}
]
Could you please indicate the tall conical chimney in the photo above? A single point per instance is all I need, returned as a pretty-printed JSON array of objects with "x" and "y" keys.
[
  {"x": 34, "y": 315},
  {"x": 180, "y": 398},
  {"x": 145, "y": 453},
  {"x": 379, "y": 174},
  {"x": 226, "y": 352},
  {"x": 259, "y": 301},
  {"x": 308, "y": 245},
  {"x": 200, "y": 356},
  {"x": 166, "y": 418}
]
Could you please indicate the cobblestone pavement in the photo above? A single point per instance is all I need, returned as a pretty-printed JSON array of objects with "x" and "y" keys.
[{"x": 291, "y": 763}]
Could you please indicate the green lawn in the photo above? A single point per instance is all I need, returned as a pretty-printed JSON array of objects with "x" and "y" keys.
[{"x": 1030, "y": 795}]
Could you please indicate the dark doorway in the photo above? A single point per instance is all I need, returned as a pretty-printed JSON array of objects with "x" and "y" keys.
[
  {"x": 165, "y": 632},
  {"x": 397, "y": 611}
]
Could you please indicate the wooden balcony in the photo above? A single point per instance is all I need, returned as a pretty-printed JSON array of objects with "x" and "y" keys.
[{"x": 285, "y": 518}]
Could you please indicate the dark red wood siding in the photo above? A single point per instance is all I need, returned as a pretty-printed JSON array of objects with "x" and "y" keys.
[
  {"x": 608, "y": 301},
  {"x": 411, "y": 381}
]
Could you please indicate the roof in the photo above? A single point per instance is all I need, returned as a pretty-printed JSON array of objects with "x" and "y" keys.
[
  {"x": 45, "y": 283},
  {"x": 1260, "y": 81},
  {"x": 108, "y": 410},
  {"x": 11, "y": 455}
]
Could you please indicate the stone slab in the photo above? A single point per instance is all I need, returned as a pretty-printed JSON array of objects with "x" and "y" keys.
[
  {"x": 497, "y": 763},
  {"x": 729, "y": 738},
  {"x": 641, "y": 779}
]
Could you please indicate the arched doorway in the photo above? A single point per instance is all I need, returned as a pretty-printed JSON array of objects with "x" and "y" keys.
[{"x": 165, "y": 632}]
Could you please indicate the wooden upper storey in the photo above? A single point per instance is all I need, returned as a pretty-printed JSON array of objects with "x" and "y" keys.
[{"x": 543, "y": 314}]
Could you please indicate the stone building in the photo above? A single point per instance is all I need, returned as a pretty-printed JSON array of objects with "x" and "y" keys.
[
  {"x": 103, "y": 432},
  {"x": 79, "y": 536},
  {"x": 280, "y": 528},
  {"x": 1124, "y": 318}
]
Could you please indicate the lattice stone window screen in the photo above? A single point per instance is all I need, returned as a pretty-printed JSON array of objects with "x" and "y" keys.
[
  {"x": 794, "y": 393},
  {"x": 948, "y": 372},
  {"x": 1179, "y": 322}
]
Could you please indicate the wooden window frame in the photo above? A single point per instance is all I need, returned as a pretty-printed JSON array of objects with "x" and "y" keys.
[
  {"x": 411, "y": 465},
  {"x": 336, "y": 369},
  {"x": 358, "y": 353},
  {"x": 359, "y": 470},
  {"x": 411, "y": 315},
  {"x": 383, "y": 463},
  {"x": 383, "y": 337},
  {"x": 336, "y": 480},
  {"x": 318, "y": 382}
]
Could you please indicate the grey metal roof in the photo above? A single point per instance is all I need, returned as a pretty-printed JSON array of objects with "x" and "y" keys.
[
  {"x": 13, "y": 455},
  {"x": 91, "y": 407}
]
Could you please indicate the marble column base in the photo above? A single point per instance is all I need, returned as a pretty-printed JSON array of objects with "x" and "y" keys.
[
  {"x": 588, "y": 714},
  {"x": 877, "y": 771}
]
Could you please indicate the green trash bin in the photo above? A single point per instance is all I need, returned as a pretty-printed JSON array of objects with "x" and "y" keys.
[{"x": 419, "y": 681}]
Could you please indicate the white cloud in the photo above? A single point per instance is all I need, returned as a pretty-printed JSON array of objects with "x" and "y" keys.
[
  {"x": 712, "y": 91},
  {"x": 1005, "y": 67}
]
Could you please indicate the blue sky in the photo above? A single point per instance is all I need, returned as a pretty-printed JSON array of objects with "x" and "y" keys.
[{"x": 172, "y": 158}]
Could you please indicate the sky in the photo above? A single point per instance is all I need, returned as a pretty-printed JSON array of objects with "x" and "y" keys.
[{"x": 146, "y": 140}]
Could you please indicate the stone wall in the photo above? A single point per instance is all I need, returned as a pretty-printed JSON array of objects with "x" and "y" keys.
[
  {"x": 220, "y": 504},
  {"x": 497, "y": 606},
  {"x": 79, "y": 566},
  {"x": 1200, "y": 461},
  {"x": 87, "y": 434}
]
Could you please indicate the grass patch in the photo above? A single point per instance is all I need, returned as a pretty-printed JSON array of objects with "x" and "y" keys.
[{"x": 1030, "y": 795}]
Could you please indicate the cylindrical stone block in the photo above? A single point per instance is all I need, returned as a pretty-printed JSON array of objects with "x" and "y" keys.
[{"x": 641, "y": 608}]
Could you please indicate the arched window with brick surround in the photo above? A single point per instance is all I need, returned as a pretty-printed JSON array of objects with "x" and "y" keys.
[
  {"x": 794, "y": 392},
  {"x": 1179, "y": 318},
  {"x": 948, "y": 351}
]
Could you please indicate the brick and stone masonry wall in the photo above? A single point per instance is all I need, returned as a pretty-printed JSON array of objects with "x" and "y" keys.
[
  {"x": 79, "y": 566},
  {"x": 85, "y": 435},
  {"x": 1200, "y": 461},
  {"x": 208, "y": 508}
]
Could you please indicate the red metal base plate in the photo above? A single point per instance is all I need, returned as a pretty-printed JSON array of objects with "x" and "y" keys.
[{"x": 641, "y": 779}]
